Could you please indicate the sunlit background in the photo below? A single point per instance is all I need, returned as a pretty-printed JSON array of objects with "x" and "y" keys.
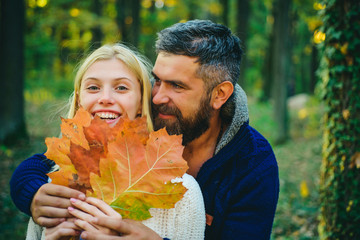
[{"x": 58, "y": 34}]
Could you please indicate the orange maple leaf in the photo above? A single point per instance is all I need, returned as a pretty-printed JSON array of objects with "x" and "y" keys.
[{"x": 125, "y": 166}]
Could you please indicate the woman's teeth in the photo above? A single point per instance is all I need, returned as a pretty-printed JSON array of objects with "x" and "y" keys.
[{"x": 107, "y": 115}]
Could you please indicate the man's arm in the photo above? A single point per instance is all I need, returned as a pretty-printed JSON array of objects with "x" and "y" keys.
[
  {"x": 49, "y": 205},
  {"x": 252, "y": 213},
  {"x": 27, "y": 178}
]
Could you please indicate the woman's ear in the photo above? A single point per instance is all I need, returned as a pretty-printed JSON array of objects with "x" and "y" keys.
[
  {"x": 139, "y": 112},
  {"x": 221, "y": 94},
  {"x": 77, "y": 97}
]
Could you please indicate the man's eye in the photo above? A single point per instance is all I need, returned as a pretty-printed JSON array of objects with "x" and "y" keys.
[
  {"x": 156, "y": 81},
  {"x": 176, "y": 86}
]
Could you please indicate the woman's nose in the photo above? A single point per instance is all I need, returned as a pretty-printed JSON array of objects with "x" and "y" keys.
[{"x": 106, "y": 97}]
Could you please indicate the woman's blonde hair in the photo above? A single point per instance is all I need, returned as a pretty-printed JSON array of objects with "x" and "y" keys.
[{"x": 137, "y": 63}]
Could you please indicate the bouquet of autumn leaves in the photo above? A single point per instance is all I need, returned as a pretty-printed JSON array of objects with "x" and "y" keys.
[{"x": 125, "y": 166}]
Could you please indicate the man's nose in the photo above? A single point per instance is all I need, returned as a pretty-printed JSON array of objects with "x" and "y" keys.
[{"x": 160, "y": 94}]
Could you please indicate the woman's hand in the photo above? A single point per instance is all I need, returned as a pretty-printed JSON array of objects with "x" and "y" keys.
[
  {"x": 100, "y": 221},
  {"x": 129, "y": 230},
  {"x": 50, "y": 203},
  {"x": 63, "y": 231},
  {"x": 87, "y": 211}
]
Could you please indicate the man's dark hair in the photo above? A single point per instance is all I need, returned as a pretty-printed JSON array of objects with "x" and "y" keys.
[{"x": 217, "y": 49}]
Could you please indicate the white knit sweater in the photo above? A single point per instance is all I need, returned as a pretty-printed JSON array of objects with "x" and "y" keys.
[{"x": 186, "y": 221}]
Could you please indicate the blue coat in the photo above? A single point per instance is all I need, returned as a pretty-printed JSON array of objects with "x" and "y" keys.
[{"x": 240, "y": 185}]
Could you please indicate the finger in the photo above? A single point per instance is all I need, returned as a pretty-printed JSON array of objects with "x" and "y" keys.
[
  {"x": 53, "y": 212},
  {"x": 85, "y": 225},
  {"x": 62, "y": 191},
  {"x": 49, "y": 222},
  {"x": 67, "y": 228},
  {"x": 113, "y": 223},
  {"x": 80, "y": 214},
  {"x": 94, "y": 236},
  {"x": 88, "y": 208},
  {"x": 104, "y": 207},
  {"x": 63, "y": 232},
  {"x": 50, "y": 200}
]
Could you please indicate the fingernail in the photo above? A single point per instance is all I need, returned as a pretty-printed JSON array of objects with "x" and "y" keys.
[
  {"x": 73, "y": 200},
  {"x": 83, "y": 235},
  {"x": 70, "y": 208},
  {"x": 82, "y": 196}
]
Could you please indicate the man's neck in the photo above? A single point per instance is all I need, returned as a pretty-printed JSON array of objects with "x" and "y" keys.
[{"x": 197, "y": 152}]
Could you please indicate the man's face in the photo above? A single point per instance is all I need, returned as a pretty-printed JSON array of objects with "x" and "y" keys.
[{"x": 179, "y": 99}]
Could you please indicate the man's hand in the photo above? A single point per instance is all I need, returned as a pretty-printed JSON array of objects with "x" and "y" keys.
[
  {"x": 128, "y": 230},
  {"x": 50, "y": 203},
  {"x": 63, "y": 231}
]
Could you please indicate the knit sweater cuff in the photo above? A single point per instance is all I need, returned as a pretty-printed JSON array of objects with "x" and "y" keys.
[{"x": 26, "y": 180}]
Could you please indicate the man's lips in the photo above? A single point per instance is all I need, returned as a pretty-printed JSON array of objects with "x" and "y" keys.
[{"x": 166, "y": 116}]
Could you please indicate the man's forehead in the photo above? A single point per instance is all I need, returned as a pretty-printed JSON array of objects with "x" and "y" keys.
[
  {"x": 176, "y": 68},
  {"x": 175, "y": 62}
]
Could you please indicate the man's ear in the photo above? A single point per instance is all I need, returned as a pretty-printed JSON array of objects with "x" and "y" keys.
[{"x": 221, "y": 94}]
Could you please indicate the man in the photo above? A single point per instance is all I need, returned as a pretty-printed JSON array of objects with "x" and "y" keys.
[{"x": 195, "y": 94}]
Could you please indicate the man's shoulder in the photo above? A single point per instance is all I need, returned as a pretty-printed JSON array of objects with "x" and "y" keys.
[
  {"x": 248, "y": 137},
  {"x": 250, "y": 148}
]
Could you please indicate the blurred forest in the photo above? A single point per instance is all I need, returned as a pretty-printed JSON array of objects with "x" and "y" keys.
[{"x": 281, "y": 40}]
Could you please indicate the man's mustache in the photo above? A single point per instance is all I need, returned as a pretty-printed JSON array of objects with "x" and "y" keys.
[{"x": 166, "y": 110}]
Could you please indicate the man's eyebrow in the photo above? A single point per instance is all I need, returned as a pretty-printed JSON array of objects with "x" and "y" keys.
[
  {"x": 154, "y": 75},
  {"x": 177, "y": 82}
]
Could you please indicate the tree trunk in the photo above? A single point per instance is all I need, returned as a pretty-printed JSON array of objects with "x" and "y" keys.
[
  {"x": 96, "y": 31},
  {"x": 128, "y": 20},
  {"x": 225, "y": 13},
  {"x": 242, "y": 19},
  {"x": 314, "y": 66},
  {"x": 12, "y": 123},
  {"x": 280, "y": 63},
  {"x": 122, "y": 13},
  {"x": 268, "y": 70},
  {"x": 340, "y": 172},
  {"x": 136, "y": 22}
]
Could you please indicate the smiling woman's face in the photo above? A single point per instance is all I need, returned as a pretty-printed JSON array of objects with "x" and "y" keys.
[{"x": 110, "y": 90}]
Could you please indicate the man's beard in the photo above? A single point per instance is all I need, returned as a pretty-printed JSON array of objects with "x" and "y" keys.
[{"x": 191, "y": 128}]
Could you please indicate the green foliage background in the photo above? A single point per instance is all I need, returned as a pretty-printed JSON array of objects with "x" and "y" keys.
[
  {"x": 60, "y": 33},
  {"x": 340, "y": 175}
]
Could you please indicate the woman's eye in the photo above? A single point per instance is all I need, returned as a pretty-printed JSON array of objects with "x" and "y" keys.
[
  {"x": 122, "y": 88},
  {"x": 92, "y": 88}
]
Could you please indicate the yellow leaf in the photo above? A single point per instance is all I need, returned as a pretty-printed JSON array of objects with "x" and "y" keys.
[
  {"x": 304, "y": 190},
  {"x": 355, "y": 160},
  {"x": 346, "y": 114},
  {"x": 343, "y": 48},
  {"x": 319, "y": 37}
]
